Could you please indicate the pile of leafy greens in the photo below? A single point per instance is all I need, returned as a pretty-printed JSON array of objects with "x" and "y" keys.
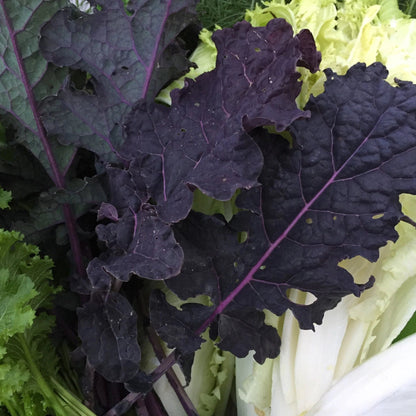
[{"x": 110, "y": 183}]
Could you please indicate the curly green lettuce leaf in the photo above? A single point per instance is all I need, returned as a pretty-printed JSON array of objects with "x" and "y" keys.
[
  {"x": 211, "y": 380},
  {"x": 347, "y": 32},
  {"x": 29, "y": 365}
]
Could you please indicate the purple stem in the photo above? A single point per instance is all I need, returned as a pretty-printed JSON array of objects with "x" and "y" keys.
[
  {"x": 132, "y": 398},
  {"x": 154, "y": 405},
  {"x": 57, "y": 177},
  {"x": 171, "y": 375},
  {"x": 141, "y": 409}
]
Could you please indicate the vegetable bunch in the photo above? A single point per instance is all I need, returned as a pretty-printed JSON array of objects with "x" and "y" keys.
[{"x": 190, "y": 226}]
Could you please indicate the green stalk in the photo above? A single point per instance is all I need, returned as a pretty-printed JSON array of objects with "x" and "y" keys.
[
  {"x": 11, "y": 409},
  {"x": 410, "y": 7},
  {"x": 74, "y": 405},
  {"x": 41, "y": 382}
]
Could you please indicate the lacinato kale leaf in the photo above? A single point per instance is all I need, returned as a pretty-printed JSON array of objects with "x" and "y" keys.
[{"x": 331, "y": 194}]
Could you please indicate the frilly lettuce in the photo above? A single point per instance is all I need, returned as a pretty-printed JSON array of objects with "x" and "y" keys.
[
  {"x": 5, "y": 198},
  {"x": 211, "y": 380}
]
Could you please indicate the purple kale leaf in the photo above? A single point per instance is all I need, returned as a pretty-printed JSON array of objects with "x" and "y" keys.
[
  {"x": 185, "y": 333},
  {"x": 137, "y": 241},
  {"x": 108, "y": 331},
  {"x": 130, "y": 53},
  {"x": 202, "y": 140},
  {"x": 331, "y": 194}
]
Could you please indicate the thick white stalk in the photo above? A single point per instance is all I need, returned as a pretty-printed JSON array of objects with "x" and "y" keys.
[{"x": 375, "y": 383}]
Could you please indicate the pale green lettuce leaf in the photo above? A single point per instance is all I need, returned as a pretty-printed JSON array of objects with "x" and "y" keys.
[
  {"x": 347, "y": 32},
  {"x": 211, "y": 380}
]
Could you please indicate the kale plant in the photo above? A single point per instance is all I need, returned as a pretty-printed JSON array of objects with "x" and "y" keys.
[{"x": 102, "y": 172}]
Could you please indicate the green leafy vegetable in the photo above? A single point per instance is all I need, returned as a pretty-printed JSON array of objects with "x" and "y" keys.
[
  {"x": 5, "y": 198},
  {"x": 29, "y": 365}
]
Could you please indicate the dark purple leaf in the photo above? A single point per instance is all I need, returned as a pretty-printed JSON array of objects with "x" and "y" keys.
[
  {"x": 258, "y": 336},
  {"x": 130, "y": 54},
  {"x": 180, "y": 333},
  {"x": 138, "y": 242},
  {"x": 201, "y": 140},
  {"x": 108, "y": 211},
  {"x": 107, "y": 326},
  {"x": 141, "y": 245},
  {"x": 332, "y": 195},
  {"x": 98, "y": 278}
]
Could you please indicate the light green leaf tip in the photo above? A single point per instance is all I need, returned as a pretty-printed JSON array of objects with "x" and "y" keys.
[{"x": 5, "y": 198}]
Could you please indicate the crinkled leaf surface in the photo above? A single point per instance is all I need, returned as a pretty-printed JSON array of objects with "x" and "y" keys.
[
  {"x": 27, "y": 356},
  {"x": 138, "y": 241},
  {"x": 130, "y": 53},
  {"x": 108, "y": 331},
  {"x": 158, "y": 257},
  {"x": 16, "y": 314},
  {"x": 201, "y": 140},
  {"x": 26, "y": 78},
  {"x": 330, "y": 196}
]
